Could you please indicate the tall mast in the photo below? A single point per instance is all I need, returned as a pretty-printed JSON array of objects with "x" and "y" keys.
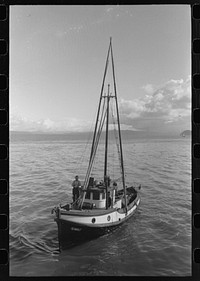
[
  {"x": 95, "y": 137},
  {"x": 106, "y": 147},
  {"x": 102, "y": 87},
  {"x": 119, "y": 130}
]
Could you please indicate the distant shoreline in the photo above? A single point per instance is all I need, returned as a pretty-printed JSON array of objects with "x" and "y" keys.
[{"x": 83, "y": 136}]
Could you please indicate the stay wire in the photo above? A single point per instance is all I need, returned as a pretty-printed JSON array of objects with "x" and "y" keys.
[
  {"x": 116, "y": 138},
  {"x": 91, "y": 163},
  {"x": 99, "y": 135},
  {"x": 80, "y": 161},
  {"x": 101, "y": 122}
]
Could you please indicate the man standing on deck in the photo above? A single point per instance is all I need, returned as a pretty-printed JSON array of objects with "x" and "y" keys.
[{"x": 76, "y": 185}]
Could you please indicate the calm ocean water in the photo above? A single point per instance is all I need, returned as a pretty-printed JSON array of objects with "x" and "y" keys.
[{"x": 156, "y": 241}]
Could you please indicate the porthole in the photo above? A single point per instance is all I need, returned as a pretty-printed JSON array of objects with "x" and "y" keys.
[
  {"x": 108, "y": 218},
  {"x": 93, "y": 220}
]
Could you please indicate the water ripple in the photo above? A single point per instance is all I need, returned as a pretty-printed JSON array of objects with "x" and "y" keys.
[{"x": 159, "y": 235}]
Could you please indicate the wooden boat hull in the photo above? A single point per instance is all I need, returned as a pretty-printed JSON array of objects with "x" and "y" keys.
[{"x": 80, "y": 225}]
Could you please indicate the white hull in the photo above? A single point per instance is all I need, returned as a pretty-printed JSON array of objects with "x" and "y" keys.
[{"x": 92, "y": 218}]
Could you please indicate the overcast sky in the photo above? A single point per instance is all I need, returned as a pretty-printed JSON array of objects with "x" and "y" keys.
[{"x": 57, "y": 60}]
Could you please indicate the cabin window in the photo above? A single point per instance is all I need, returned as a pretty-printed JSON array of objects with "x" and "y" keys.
[
  {"x": 95, "y": 195},
  {"x": 87, "y": 196},
  {"x": 103, "y": 195}
]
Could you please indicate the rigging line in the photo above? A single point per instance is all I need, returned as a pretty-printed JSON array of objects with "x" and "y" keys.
[
  {"x": 89, "y": 137},
  {"x": 88, "y": 175},
  {"x": 103, "y": 108},
  {"x": 100, "y": 122},
  {"x": 117, "y": 144},
  {"x": 95, "y": 146},
  {"x": 102, "y": 87},
  {"x": 119, "y": 130},
  {"x": 97, "y": 137},
  {"x": 80, "y": 160},
  {"x": 118, "y": 150},
  {"x": 106, "y": 147},
  {"x": 118, "y": 178},
  {"x": 113, "y": 156},
  {"x": 90, "y": 163},
  {"x": 116, "y": 138}
]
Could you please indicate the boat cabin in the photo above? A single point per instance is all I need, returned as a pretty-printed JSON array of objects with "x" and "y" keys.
[{"x": 96, "y": 195}]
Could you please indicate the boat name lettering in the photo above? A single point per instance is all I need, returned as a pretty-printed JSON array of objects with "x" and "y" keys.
[{"x": 75, "y": 228}]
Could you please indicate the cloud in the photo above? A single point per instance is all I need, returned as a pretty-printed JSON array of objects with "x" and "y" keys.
[
  {"x": 166, "y": 109},
  {"x": 165, "y": 105},
  {"x": 131, "y": 109},
  {"x": 18, "y": 123},
  {"x": 149, "y": 89}
]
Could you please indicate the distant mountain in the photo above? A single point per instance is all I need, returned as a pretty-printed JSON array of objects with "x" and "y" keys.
[
  {"x": 85, "y": 136},
  {"x": 45, "y": 136},
  {"x": 186, "y": 133}
]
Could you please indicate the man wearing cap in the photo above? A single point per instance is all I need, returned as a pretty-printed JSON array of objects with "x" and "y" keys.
[{"x": 76, "y": 185}]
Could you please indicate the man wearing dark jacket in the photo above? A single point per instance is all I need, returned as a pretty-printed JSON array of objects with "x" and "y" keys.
[{"x": 76, "y": 186}]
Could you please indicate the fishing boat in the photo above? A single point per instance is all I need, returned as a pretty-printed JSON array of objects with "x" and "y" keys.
[{"x": 103, "y": 204}]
